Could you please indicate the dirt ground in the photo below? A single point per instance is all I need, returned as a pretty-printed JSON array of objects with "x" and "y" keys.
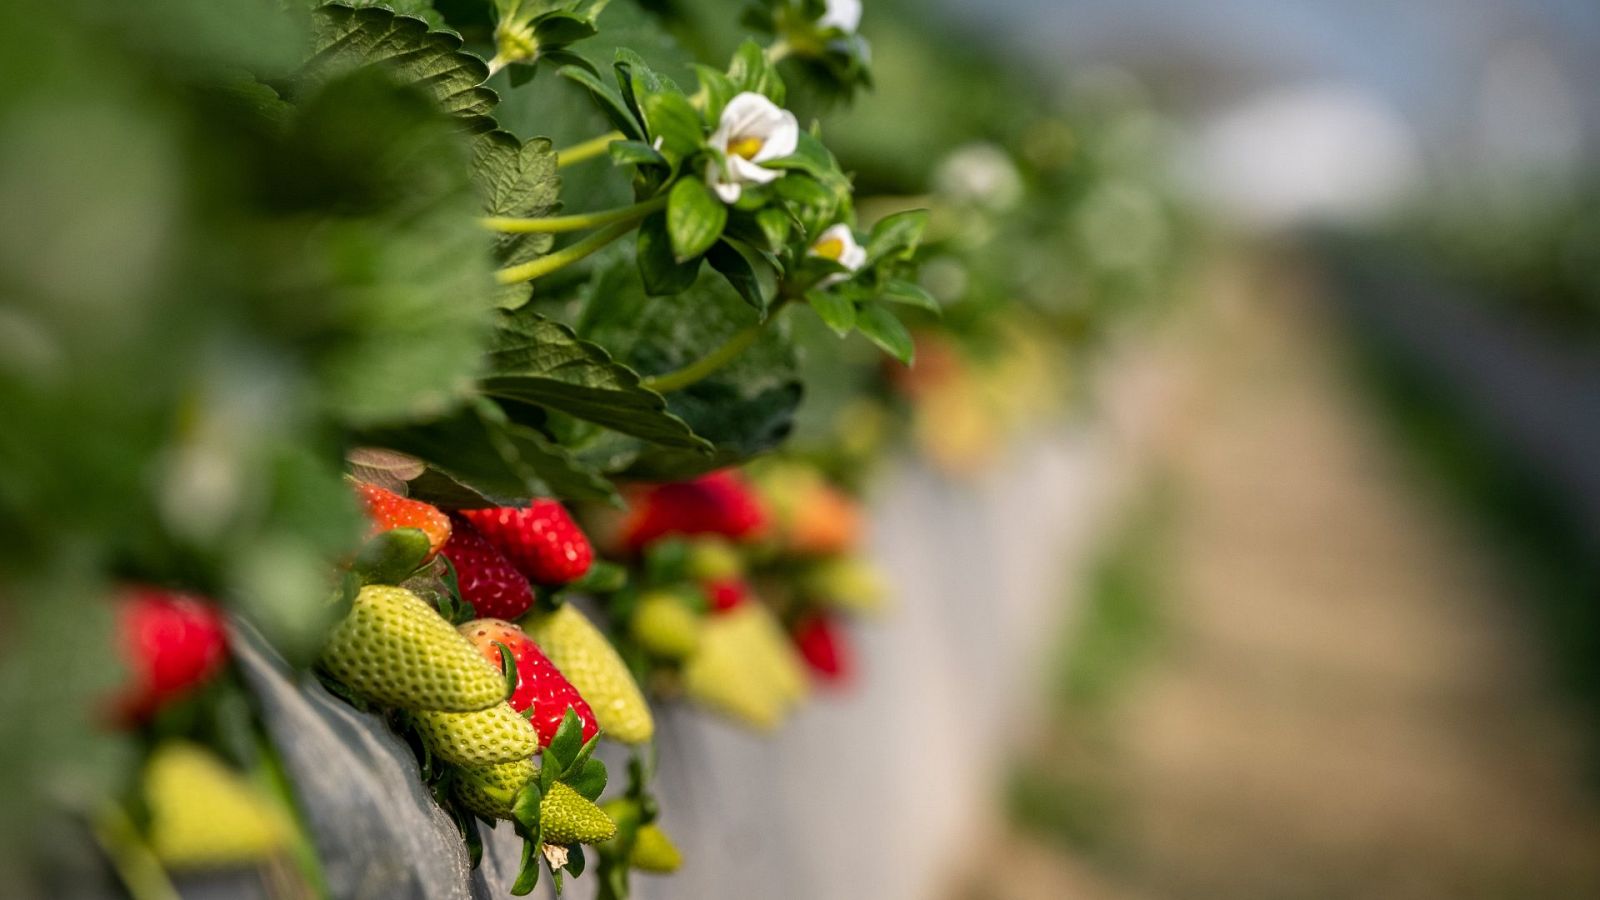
[{"x": 1342, "y": 697}]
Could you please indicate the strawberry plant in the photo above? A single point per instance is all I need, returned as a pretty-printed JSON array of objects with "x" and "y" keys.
[{"x": 413, "y": 359}]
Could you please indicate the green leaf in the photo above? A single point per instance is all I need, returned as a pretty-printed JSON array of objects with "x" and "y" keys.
[
  {"x": 391, "y": 556},
  {"x": 622, "y": 118},
  {"x": 625, "y": 153},
  {"x": 559, "y": 28},
  {"x": 898, "y": 290},
  {"x": 896, "y": 235},
  {"x": 345, "y": 38},
  {"x": 518, "y": 179},
  {"x": 477, "y": 448},
  {"x": 695, "y": 218},
  {"x": 540, "y": 361},
  {"x": 752, "y": 71},
  {"x": 718, "y": 88},
  {"x": 882, "y": 328},
  {"x": 750, "y": 274},
  {"x": 658, "y": 264},
  {"x": 837, "y": 312},
  {"x": 674, "y": 124},
  {"x": 744, "y": 409}
]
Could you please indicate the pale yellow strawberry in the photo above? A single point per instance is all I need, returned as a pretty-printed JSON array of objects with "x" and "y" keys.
[
  {"x": 205, "y": 815},
  {"x": 486, "y": 737},
  {"x": 490, "y": 791},
  {"x": 395, "y": 650},
  {"x": 567, "y": 817},
  {"x": 589, "y": 661}
]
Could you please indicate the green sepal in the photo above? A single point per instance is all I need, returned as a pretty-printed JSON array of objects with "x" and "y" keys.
[
  {"x": 528, "y": 872},
  {"x": 590, "y": 779},
  {"x": 695, "y": 218},
  {"x": 564, "y": 747},
  {"x": 718, "y": 89},
  {"x": 391, "y": 556},
  {"x": 508, "y": 667},
  {"x": 449, "y": 602},
  {"x": 575, "y": 861}
]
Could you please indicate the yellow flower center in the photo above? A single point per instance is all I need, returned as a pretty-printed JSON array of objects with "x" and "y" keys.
[
  {"x": 746, "y": 147},
  {"x": 832, "y": 248}
]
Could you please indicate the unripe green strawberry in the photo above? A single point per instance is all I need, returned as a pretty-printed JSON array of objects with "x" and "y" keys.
[
  {"x": 713, "y": 558},
  {"x": 589, "y": 661},
  {"x": 566, "y": 817},
  {"x": 846, "y": 583},
  {"x": 665, "y": 626},
  {"x": 654, "y": 852},
  {"x": 395, "y": 650},
  {"x": 771, "y": 647},
  {"x": 205, "y": 815},
  {"x": 487, "y": 737},
  {"x": 490, "y": 791},
  {"x": 729, "y": 675}
]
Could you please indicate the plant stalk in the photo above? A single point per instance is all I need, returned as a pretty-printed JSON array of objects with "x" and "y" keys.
[
  {"x": 566, "y": 256},
  {"x": 578, "y": 222},
  {"x": 587, "y": 150},
  {"x": 714, "y": 361}
]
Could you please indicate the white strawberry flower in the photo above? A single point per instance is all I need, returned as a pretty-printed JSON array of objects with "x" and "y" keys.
[
  {"x": 753, "y": 130},
  {"x": 844, "y": 15},
  {"x": 838, "y": 243}
]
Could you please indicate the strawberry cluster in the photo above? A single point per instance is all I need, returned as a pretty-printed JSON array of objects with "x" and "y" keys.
[{"x": 738, "y": 582}]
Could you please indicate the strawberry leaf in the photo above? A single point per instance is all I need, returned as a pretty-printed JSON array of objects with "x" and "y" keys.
[
  {"x": 483, "y": 455},
  {"x": 540, "y": 361},
  {"x": 519, "y": 179},
  {"x": 346, "y": 38}
]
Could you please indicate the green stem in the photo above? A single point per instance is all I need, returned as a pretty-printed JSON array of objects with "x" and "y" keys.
[
  {"x": 566, "y": 256},
  {"x": 579, "y": 222},
  {"x": 779, "y": 51},
  {"x": 712, "y": 362},
  {"x": 135, "y": 863},
  {"x": 587, "y": 150}
]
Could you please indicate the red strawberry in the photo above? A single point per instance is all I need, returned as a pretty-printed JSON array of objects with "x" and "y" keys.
[
  {"x": 726, "y": 593},
  {"x": 824, "y": 646},
  {"x": 389, "y": 511},
  {"x": 719, "y": 503},
  {"x": 541, "y": 540},
  {"x": 171, "y": 643},
  {"x": 540, "y": 685},
  {"x": 488, "y": 581}
]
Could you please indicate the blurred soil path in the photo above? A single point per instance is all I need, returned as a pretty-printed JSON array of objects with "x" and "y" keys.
[{"x": 1342, "y": 701}]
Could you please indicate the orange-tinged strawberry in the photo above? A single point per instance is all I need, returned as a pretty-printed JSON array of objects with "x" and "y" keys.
[{"x": 388, "y": 511}]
